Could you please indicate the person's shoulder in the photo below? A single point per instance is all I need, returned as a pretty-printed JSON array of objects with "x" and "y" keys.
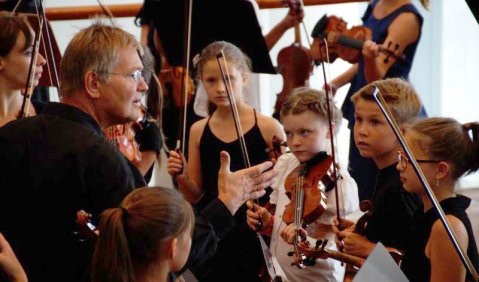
[
  {"x": 439, "y": 233},
  {"x": 269, "y": 126},
  {"x": 199, "y": 126}
]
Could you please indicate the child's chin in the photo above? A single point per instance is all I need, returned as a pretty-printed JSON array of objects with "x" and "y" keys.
[{"x": 366, "y": 154}]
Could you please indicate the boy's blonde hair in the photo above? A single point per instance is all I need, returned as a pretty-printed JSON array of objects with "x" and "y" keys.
[
  {"x": 304, "y": 99},
  {"x": 94, "y": 48},
  {"x": 400, "y": 97}
]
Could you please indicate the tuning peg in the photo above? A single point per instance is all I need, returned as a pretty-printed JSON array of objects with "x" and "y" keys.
[
  {"x": 309, "y": 261},
  {"x": 318, "y": 244},
  {"x": 290, "y": 254},
  {"x": 325, "y": 242}
]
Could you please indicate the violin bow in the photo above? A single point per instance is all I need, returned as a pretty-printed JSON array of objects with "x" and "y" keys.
[
  {"x": 220, "y": 57},
  {"x": 181, "y": 142},
  {"x": 452, "y": 235},
  {"x": 329, "y": 99},
  {"x": 25, "y": 108},
  {"x": 234, "y": 109},
  {"x": 49, "y": 57}
]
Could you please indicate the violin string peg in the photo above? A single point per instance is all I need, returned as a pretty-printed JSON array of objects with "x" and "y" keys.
[
  {"x": 290, "y": 254},
  {"x": 318, "y": 243},
  {"x": 309, "y": 261},
  {"x": 325, "y": 242}
]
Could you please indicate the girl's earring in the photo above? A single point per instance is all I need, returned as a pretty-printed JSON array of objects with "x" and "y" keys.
[{"x": 438, "y": 182}]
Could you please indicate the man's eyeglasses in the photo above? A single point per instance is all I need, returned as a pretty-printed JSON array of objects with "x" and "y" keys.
[
  {"x": 137, "y": 75},
  {"x": 404, "y": 161}
]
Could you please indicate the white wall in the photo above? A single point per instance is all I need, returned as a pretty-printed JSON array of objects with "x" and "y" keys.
[{"x": 445, "y": 70}]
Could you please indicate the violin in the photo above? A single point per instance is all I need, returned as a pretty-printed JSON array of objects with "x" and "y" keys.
[
  {"x": 353, "y": 263},
  {"x": 175, "y": 77},
  {"x": 275, "y": 151},
  {"x": 123, "y": 137},
  {"x": 295, "y": 63},
  {"x": 347, "y": 43},
  {"x": 306, "y": 186}
]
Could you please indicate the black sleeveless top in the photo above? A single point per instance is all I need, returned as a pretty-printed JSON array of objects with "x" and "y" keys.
[
  {"x": 416, "y": 265},
  {"x": 210, "y": 148},
  {"x": 238, "y": 256}
]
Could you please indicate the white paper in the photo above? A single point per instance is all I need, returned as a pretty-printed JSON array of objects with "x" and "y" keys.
[{"x": 380, "y": 266}]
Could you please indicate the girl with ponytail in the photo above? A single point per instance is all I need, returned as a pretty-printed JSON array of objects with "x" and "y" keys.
[
  {"x": 146, "y": 239},
  {"x": 445, "y": 151}
]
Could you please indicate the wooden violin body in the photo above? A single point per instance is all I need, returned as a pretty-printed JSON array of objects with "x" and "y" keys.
[
  {"x": 312, "y": 179},
  {"x": 123, "y": 137},
  {"x": 295, "y": 65},
  {"x": 346, "y": 43}
]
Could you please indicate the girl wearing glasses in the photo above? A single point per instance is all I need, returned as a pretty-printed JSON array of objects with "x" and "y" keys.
[{"x": 445, "y": 150}]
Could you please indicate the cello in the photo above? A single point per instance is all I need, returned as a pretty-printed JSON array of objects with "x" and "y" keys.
[{"x": 295, "y": 63}]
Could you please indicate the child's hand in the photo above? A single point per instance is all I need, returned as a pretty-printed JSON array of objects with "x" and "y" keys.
[
  {"x": 355, "y": 244},
  {"x": 83, "y": 217},
  {"x": 337, "y": 228},
  {"x": 175, "y": 163},
  {"x": 9, "y": 264},
  {"x": 289, "y": 233},
  {"x": 255, "y": 213}
]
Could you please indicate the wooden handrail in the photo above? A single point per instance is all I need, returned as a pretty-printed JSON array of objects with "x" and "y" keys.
[{"x": 131, "y": 10}]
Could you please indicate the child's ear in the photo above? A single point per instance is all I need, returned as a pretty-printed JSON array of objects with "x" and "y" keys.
[
  {"x": 172, "y": 248},
  {"x": 245, "y": 78},
  {"x": 92, "y": 84},
  {"x": 331, "y": 134},
  {"x": 443, "y": 170}
]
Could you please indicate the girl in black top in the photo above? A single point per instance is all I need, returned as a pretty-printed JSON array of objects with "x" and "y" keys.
[
  {"x": 445, "y": 151},
  {"x": 16, "y": 50},
  {"x": 238, "y": 256}
]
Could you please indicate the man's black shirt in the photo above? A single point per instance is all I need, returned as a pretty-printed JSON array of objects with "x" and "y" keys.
[{"x": 51, "y": 166}]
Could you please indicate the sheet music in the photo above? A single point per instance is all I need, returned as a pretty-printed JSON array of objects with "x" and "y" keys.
[{"x": 380, "y": 266}]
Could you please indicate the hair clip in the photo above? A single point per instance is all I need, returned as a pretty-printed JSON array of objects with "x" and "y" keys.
[{"x": 196, "y": 60}]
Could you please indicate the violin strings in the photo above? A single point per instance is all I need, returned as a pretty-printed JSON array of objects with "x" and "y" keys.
[{"x": 50, "y": 48}]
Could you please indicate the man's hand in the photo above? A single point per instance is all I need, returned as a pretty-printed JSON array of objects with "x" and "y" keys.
[
  {"x": 235, "y": 188},
  {"x": 9, "y": 264}
]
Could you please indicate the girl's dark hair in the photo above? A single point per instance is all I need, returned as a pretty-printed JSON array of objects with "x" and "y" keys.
[
  {"x": 11, "y": 27},
  {"x": 446, "y": 139}
]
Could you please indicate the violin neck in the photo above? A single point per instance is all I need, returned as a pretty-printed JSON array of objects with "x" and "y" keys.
[
  {"x": 346, "y": 258},
  {"x": 350, "y": 42},
  {"x": 297, "y": 34},
  {"x": 299, "y": 204}
]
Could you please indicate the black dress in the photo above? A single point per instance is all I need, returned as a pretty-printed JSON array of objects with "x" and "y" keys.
[
  {"x": 238, "y": 257},
  {"x": 416, "y": 265}
]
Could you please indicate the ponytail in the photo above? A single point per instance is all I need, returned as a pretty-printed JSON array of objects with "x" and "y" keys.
[
  {"x": 112, "y": 252},
  {"x": 471, "y": 130},
  {"x": 446, "y": 139}
]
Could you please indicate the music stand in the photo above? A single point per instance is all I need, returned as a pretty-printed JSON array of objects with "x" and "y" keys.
[{"x": 234, "y": 21}]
